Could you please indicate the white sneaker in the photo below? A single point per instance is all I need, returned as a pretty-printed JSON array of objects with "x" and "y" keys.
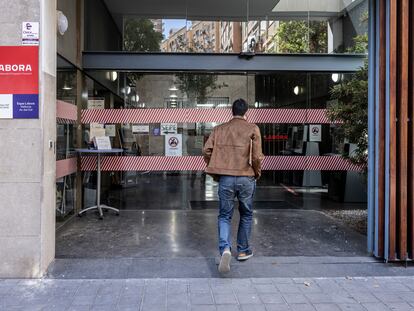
[{"x": 224, "y": 266}]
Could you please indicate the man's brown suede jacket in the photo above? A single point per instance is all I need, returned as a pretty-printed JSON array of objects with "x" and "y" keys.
[{"x": 235, "y": 149}]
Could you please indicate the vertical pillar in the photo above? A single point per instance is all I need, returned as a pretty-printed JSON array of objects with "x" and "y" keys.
[
  {"x": 392, "y": 101},
  {"x": 27, "y": 166}
]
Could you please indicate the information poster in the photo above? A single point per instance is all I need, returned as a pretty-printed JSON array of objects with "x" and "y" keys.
[
  {"x": 96, "y": 103},
  {"x": 97, "y": 130},
  {"x": 140, "y": 129},
  {"x": 102, "y": 143},
  {"x": 19, "y": 82},
  {"x": 110, "y": 130},
  {"x": 173, "y": 145},
  {"x": 169, "y": 128},
  {"x": 30, "y": 33},
  {"x": 315, "y": 133}
]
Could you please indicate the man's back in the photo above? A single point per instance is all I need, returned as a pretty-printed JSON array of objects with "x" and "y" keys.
[{"x": 234, "y": 149}]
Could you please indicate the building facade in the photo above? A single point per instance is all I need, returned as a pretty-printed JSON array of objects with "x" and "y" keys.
[{"x": 83, "y": 85}]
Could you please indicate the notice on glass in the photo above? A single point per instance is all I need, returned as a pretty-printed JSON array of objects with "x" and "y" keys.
[
  {"x": 96, "y": 103},
  {"x": 315, "y": 132},
  {"x": 169, "y": 128},
  {"x": 110, "y": 130},
  {"x": 140, "y": 128},
  {"x": 96, "y": 130},
  {"x": 174, "y": 145}
]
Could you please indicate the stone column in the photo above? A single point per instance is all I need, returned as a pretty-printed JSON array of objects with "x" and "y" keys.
[{"x": 27, "y": 162}]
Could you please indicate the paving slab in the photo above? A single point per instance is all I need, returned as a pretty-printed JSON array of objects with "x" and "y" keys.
[{"x": 152, "y": 294}]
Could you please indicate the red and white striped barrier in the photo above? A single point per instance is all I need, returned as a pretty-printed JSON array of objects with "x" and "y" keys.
[
  {"x": 66, "y": 113},
  {"x": 293, "y": 116},
  {"x": 66, "y": 167},
  {"x": 196, "y": 163}
]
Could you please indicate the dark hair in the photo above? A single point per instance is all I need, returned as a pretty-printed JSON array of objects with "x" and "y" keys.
[{"x": 239, "y": 107}]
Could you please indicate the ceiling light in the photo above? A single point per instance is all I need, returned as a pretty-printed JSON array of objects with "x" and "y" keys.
[
  {"x": 66, "y": 87},
  {"x": 335, "y": 77},
  {"x": 62, "y": 22},
  {"x": 205, "y": 105},
  {"x": 296, "y": 90},
  {"x": 126, "y": 90}
]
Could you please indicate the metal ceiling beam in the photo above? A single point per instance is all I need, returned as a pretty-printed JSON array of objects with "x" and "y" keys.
[{"x": 126, "y": 61}]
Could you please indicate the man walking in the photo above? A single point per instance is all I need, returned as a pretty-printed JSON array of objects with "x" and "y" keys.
[{"x": 233, "y": 154}]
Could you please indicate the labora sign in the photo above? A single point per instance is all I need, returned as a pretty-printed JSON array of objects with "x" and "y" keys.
[
  {"x": 15, "y": 68},
  {"x": 19, "y": 82}
]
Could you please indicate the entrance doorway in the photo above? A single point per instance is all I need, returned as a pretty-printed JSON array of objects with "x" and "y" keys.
[{"x": 309, "y": 200}]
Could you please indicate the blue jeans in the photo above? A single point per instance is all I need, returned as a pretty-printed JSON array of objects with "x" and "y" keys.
[{"x": 242, "y": 188}]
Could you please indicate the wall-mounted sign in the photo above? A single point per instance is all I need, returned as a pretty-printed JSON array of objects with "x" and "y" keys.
[
  {"x": 174, "y": 145},
  {"x": 110, "y": 130},
  {"x": 19, "y": 82},
  {"x": 315, "y": 132},
  {"x": 140, "y": 129},
  {"x": 30, "y": 33},
  {"x": 96, "y": 103},
  {"x": 168, "y": 128},
  {"x": 276, "y": 137},
  {"x": 96, "y": 130}
]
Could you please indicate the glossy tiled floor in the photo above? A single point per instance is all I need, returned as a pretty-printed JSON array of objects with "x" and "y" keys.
[{"x": 194, "y": 234}]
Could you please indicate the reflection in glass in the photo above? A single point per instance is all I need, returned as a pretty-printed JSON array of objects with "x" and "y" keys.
[
  {"x": 65, "y": 196},
  {"x": 300, "y": 26},
  {"x": 288, "y": 90}
]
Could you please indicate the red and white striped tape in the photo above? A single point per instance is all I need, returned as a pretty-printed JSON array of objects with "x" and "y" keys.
[
  {"x": 66, "y": 167},
  {"x": 293, "y": 116},
  {"x": 65, "y": 121},
  {"x": 66, "y": 113},
  {"x": 196, "y": 163}
]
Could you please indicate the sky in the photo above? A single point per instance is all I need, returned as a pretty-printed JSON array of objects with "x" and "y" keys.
[{"x": 172, "y": 23}]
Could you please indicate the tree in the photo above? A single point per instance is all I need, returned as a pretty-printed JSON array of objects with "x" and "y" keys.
[
  {"x": 140, "y": 36},
  {"x": 198, "y": 86},
  {"x": 302, "y": 37},
  {"x": 351, "y": 106},
  {"x": 351, "y": 109}
]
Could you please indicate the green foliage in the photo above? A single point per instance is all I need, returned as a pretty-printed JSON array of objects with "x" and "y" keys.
[
  {"x": 140, "y": 36},
  {"x": 302, "y": 37},
  {"x": 352, "y": 105},
  {"x": 198, "y": 86},
  {"x": 360, "y": 45},
  {"x": 351, "y": 108}
]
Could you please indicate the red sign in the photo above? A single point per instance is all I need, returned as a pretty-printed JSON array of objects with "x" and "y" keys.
[
  {"x": 19, "y": 69},
  {"x": 276, "y": 137}
]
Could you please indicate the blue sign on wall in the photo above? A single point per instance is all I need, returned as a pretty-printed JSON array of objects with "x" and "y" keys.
[{"x": 25, "y": 106}]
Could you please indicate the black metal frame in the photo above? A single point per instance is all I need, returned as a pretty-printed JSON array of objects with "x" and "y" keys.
[{"x": 210, "y": 62}]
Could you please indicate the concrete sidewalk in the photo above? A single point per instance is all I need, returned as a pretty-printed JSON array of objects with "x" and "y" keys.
[{"x": 344, "y": 293}]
